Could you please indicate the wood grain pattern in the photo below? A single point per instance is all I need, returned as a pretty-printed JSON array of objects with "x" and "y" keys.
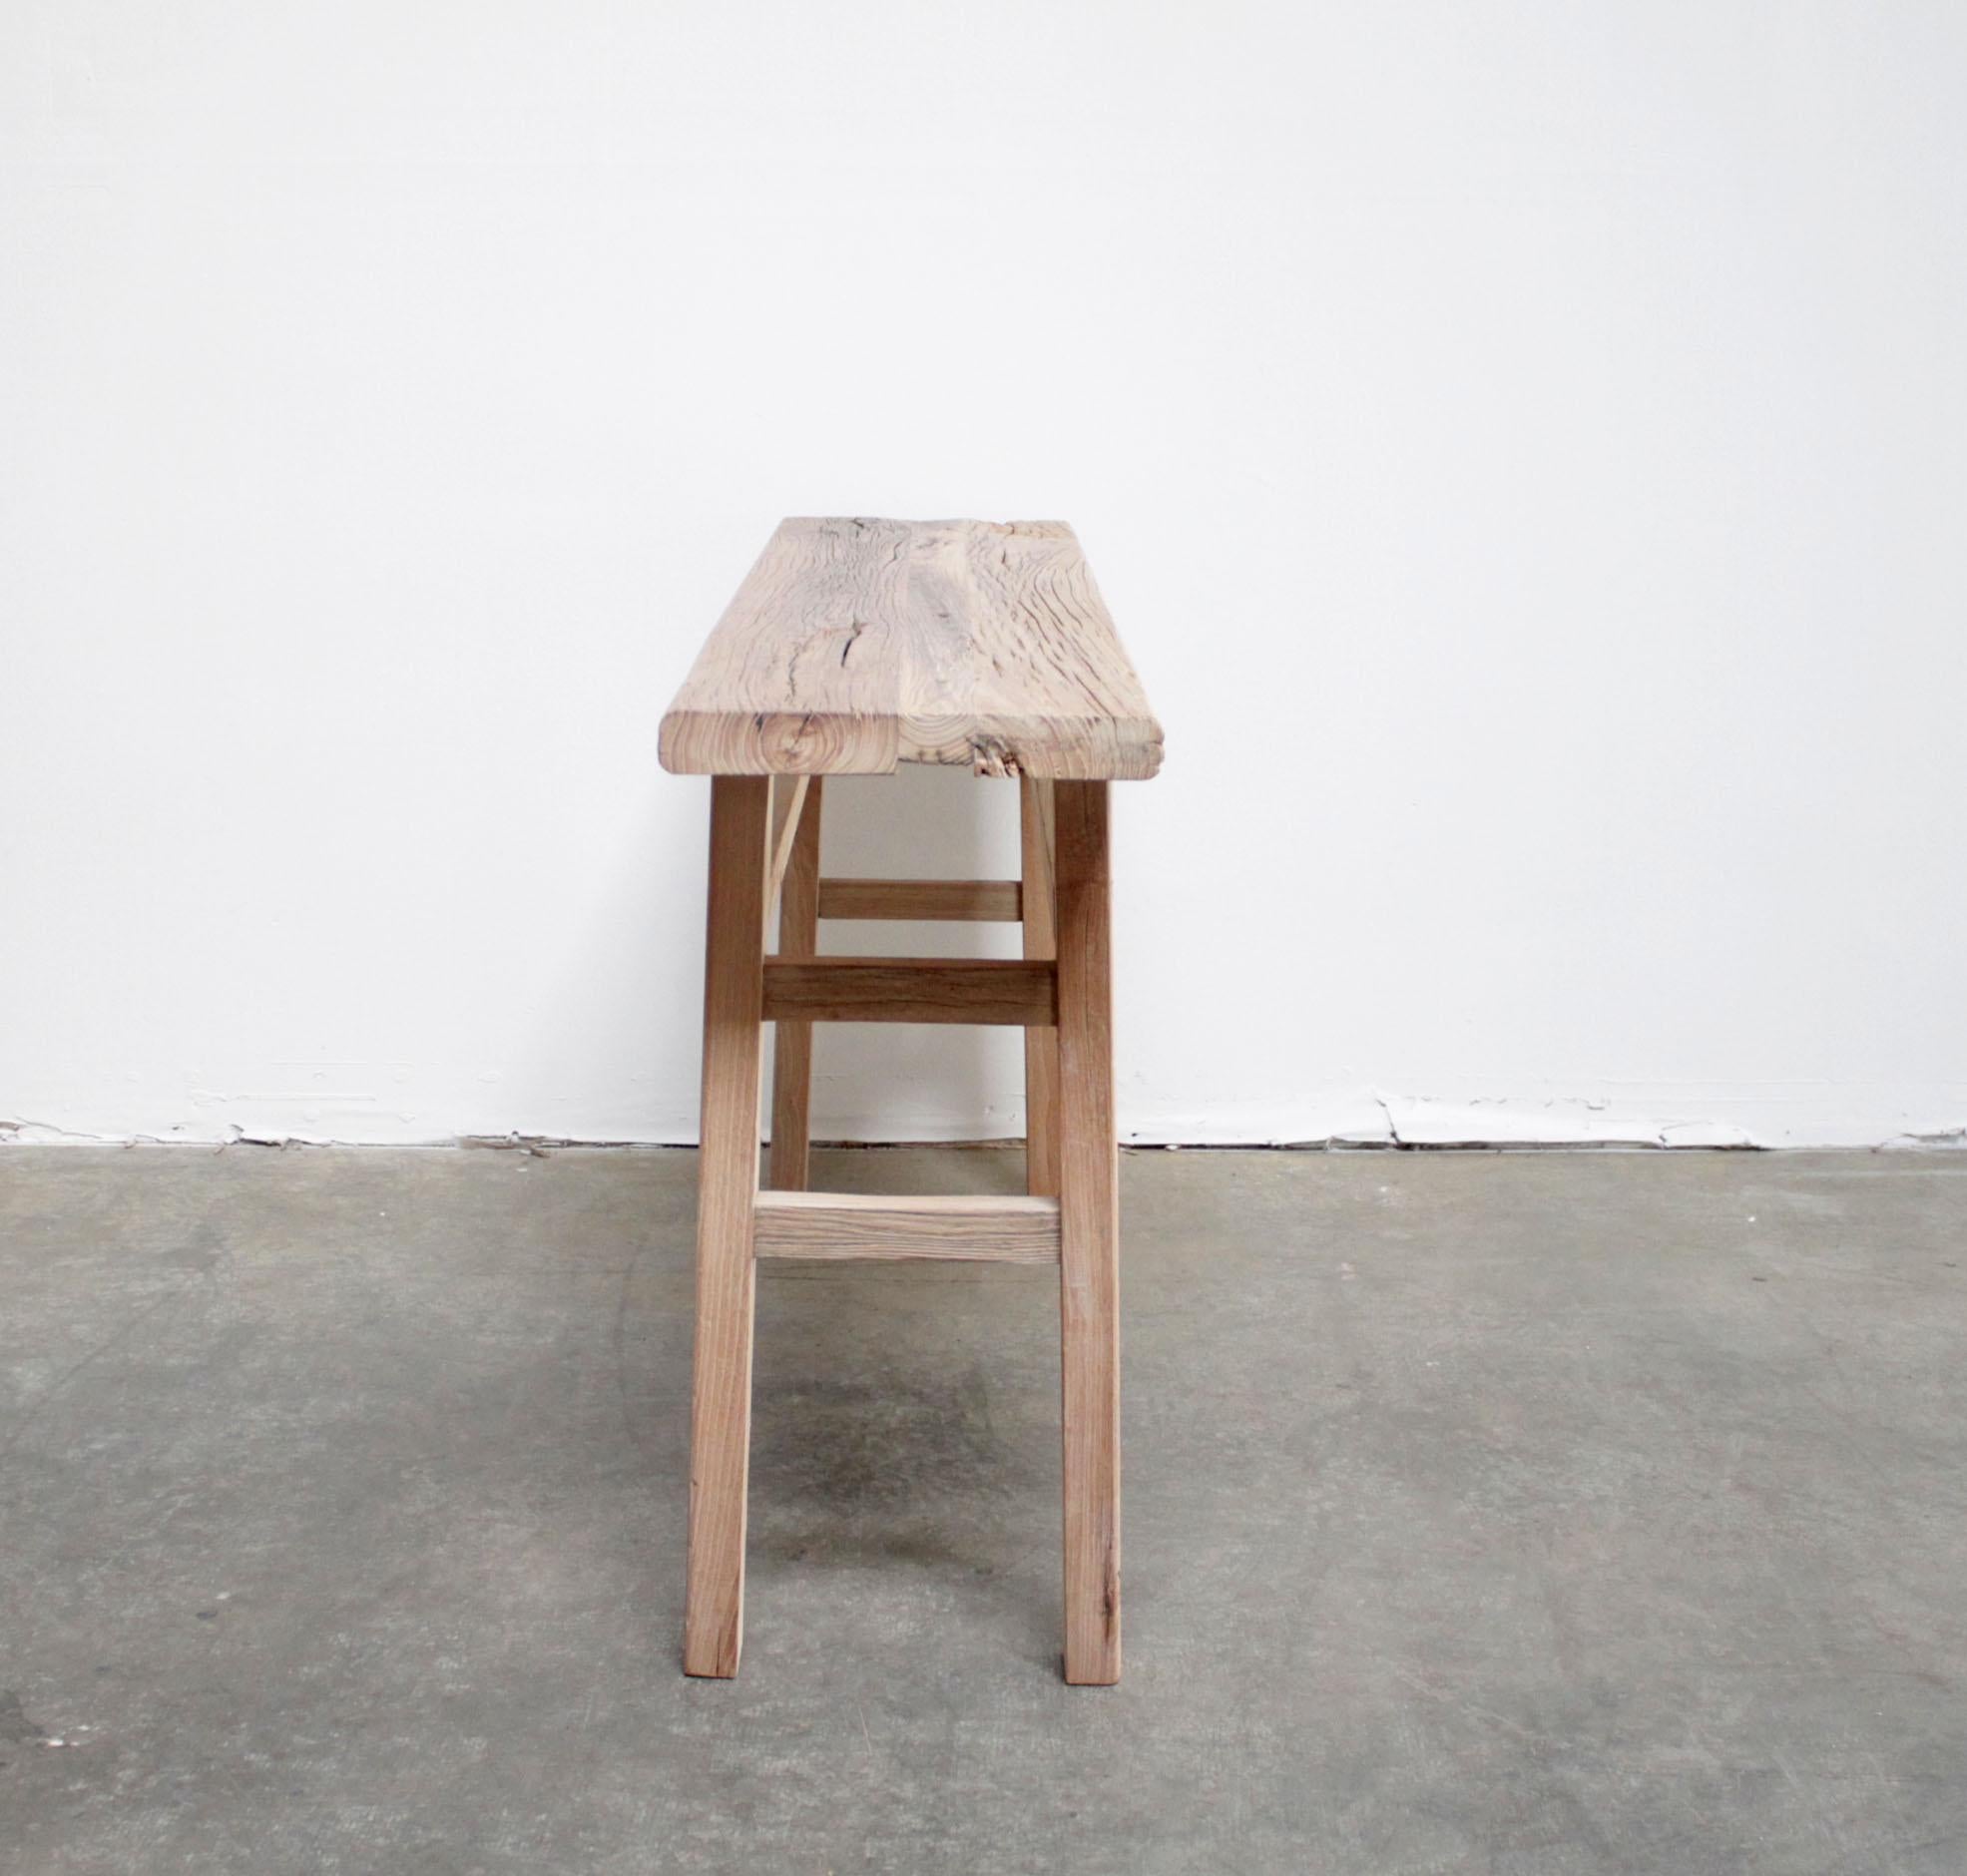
[
  {"x": 908, "y": 990},
  {"x": 1035, "y": 829},
  {"x": 1000, "y": 899},
  {"x": 855, "y": 645},
  {"x": 727, "y": 1183},
  {"x": 798, "y": 937},
  {"x": 1089, "y": 1237},
  {"x": 997, "y": 1229}
]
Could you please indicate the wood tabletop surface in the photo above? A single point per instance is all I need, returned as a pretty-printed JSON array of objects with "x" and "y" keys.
[{"x": 855, "y": 645}]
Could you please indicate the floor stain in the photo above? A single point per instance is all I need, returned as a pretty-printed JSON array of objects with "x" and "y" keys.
[{"x": 15, "y": 1726}]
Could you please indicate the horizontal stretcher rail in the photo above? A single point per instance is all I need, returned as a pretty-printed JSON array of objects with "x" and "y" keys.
[
  {"x": 1001, "y": 899},
  {"x": 994, "y": 1228},
  {"x": 1019, "y": 992}
]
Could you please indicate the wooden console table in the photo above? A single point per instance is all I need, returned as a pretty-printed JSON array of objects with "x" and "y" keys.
[{"x": 854, "y": 645}]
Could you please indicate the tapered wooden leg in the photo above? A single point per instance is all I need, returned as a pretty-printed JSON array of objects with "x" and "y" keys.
[
  {"x": 728, "y": 1183},
  {"x": 1089, "y": 1244},
  {"x": 1041, "y": 1045},
  {"x": 791, "y": 1064}
]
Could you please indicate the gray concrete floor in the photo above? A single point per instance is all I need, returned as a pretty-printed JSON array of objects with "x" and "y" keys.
[{"x": 1527, "y": 1513}]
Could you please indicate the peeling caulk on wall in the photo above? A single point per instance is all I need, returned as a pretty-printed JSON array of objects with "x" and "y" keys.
[{"x": 1361, "y": 1121}]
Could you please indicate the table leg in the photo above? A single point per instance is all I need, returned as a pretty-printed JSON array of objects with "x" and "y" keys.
[
  {"x": 1089, "y": 1206},
  {"x": 1036, "y": 817},
  {"x": 791, "y": 1064},
  {"x": 728, "y": 1183}
]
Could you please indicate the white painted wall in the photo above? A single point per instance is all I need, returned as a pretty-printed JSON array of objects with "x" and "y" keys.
[{"x": 1524, "y": 445}]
